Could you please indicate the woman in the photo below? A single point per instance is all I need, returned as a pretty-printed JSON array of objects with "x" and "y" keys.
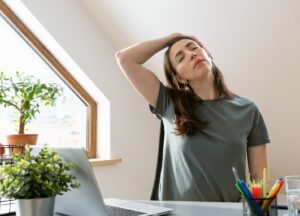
[{"x": 208, "y": 129}]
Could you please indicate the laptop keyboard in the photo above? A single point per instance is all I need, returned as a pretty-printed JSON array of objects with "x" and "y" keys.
[{"x": 116, "y": 211}]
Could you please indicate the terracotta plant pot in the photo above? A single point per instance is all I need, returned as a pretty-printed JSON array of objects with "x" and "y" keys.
[{"x": 15, "y": 140}]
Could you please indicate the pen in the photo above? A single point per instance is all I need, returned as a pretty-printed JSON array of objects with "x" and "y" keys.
[
  {"x": 245, "y": 188},
  {"x": 264, "y": 189},
  {"x": 256, "y": 191},
  {"x": 249, "y": 197},
  {"x": 236, "y": 175},
  {"x": 249, "y": 183},
  {"x": 238, "y": 186},
  {"x": 242, "y": 183},
  {"x": 275, "y": 189}
]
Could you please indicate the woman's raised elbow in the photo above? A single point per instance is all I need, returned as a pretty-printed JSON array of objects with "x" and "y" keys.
[{"x": 120, "y": 57}]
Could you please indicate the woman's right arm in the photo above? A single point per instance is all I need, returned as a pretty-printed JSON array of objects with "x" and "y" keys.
[{"x": 130, "y": 61}]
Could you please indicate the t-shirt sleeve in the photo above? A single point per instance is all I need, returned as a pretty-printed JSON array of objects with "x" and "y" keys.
[
  {"x": 259, "y": 133},
  {"x": 162, "y": 103}
]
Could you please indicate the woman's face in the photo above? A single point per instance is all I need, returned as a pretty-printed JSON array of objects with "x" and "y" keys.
[{"x": 189, "y": 60}]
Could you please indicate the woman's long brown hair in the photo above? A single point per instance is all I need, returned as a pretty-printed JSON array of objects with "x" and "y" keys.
[{"x": 185, "y": 100}]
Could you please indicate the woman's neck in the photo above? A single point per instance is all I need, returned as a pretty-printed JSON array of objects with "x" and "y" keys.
[{"x": 205, "y": 88}]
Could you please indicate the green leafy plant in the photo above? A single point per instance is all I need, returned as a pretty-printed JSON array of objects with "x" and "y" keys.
[
  {"x": 36, "y": 176},
  {"x": 24, "y": 93}
]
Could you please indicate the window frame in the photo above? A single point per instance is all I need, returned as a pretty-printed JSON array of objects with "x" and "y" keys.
[{"x": 61, "y": 71}]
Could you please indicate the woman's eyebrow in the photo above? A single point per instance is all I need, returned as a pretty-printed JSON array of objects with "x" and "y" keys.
[{"x": 187, "y": 46}]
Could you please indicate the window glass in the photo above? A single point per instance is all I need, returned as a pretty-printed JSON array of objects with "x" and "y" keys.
[{"x": 64, "y": 124}]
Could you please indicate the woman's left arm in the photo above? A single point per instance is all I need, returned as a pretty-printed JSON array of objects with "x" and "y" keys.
[{"x": 257, "y": 160}]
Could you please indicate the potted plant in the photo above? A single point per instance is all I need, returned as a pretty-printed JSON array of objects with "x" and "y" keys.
[
  {"x": 24, "y": 94},
  {"x": 35, "y": 180}
]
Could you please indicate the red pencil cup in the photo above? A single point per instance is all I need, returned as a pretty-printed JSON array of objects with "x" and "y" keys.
[{"x": 270, "y": 210}]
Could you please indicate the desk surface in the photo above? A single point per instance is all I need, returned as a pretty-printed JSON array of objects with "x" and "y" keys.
[
  {"x": 204, "y": 208},
  {"x": 181, "y": 208},
  {"x": 201, "y": 208}
]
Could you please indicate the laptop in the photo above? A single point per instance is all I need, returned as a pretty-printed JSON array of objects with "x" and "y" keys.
[{"x": 87, "y": 200}]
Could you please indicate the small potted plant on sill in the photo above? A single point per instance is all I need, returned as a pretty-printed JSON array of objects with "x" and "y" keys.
[
  {"x": 24, "y": 94},
  {"x": 35, "y": 180}
]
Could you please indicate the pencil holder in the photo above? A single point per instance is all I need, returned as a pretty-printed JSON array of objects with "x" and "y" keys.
[{"x": 260, "y": 206}]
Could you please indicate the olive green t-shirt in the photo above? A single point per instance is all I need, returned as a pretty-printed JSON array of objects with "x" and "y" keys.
[{"x": 199, "y": 167}]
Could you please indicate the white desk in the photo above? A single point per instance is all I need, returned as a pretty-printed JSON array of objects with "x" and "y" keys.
[
  {"x": 204, "y": 208},
  {"x": 201, "y": 208}
]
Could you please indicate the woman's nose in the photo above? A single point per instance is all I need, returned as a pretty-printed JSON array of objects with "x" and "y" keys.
[{"x": 193, "y": 55}]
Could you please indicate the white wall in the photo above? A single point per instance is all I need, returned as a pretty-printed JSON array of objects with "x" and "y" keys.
[
  {"x": 134, "y": 132},
  {"x": 256, "y": 44}
]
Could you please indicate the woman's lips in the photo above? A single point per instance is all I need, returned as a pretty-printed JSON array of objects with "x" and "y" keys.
[{"x": 198, "y": 62}]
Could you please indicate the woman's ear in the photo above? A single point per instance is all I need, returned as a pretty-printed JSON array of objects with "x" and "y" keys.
[{"x": 180, "y": 80}]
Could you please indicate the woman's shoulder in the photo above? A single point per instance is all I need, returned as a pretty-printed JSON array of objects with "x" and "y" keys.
[{"x": 243, "y": 101}]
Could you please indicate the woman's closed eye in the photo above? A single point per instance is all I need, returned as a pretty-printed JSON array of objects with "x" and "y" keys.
[{"x": 181, "y": 58}]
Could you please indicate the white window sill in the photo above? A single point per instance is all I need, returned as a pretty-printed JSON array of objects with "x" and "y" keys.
[{"x": 101, "y": 162}]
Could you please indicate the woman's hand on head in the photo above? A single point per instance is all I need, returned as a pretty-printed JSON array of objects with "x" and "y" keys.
[{"x": 177, "y": 34}]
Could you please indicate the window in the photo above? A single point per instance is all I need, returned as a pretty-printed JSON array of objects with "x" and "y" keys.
[{"x": 73, "y": 120}]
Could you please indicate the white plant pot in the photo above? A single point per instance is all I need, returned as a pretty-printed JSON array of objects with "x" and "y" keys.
[{"x": 35, "y": 207}]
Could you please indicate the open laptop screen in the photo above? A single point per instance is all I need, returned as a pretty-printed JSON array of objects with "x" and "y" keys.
[{"x": 87, "y": 200}]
